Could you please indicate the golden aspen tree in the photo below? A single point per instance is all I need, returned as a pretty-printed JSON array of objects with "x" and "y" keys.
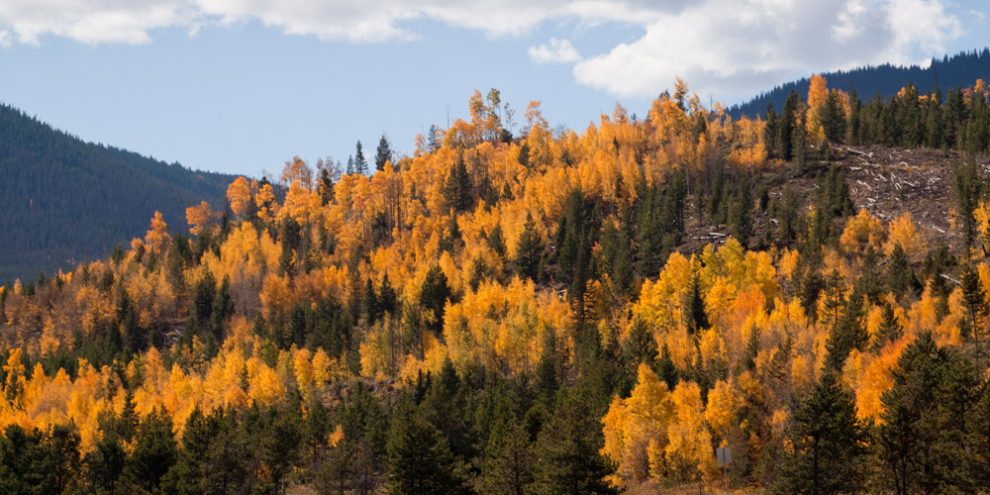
[
  {"x": 264, "y": 200},
  {"x": 239, "y": 197},
  {"x": 862, "y": 232},
  {"x": 157, "y": 237},
  {"x": 200, "y": 218},
  {"x": 817, "y": 97},
  {"x": 902, "y": 231},
  {"x": 635, "y": 428}
]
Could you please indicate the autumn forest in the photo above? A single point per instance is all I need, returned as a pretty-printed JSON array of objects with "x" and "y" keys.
[{"x": 524, "y": 309}]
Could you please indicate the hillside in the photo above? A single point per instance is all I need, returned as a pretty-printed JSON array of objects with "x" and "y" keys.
[
  {"x": 598, "y": 311},
  {"x": 885, "y": 80},
  {"x": 63, "y": 200}
]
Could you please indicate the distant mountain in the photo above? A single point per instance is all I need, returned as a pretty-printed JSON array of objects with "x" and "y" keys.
[
  {"x": 63, "y": 200},
  {"x": 960, "y": 70}
]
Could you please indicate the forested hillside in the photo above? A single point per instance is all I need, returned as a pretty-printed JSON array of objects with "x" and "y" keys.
[
  {"x": 883, "y": 80},
  {"x": 545, "y": 313},
  {"x": 63, "y": 200}
]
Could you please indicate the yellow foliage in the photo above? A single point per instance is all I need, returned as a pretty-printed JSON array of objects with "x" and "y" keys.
[
  {"x": 862, "y": 231},
  {"x": 200, "y": 218},
  {"x": 902, "y": 231},
  {"x": 239, "y": 197}
]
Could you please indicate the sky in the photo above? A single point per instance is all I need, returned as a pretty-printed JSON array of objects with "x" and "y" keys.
[{"x": 241, "y": 86}]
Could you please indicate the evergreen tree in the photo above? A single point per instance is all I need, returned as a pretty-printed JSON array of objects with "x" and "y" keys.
[
  {"x": 771, "y": 133},
  {"x": 507, "y": 465},
  {"x": 433, "y": 296},
  {"x": 848, "y": 333},
  {"x": 383, "y": 153},
  {"x": 419, "y": 459},
  {"x": 155, "y": 451},
  {"x": 833, "y": 118},
  {"x": 975, "y": 299},
  {"x": 890, "y": 328},
  {"x": 568, "y": 461},
  {"x": 901, "y": 279},
  {"x": 789, "y": 119},
  {"x": 457, "y": 188},
  {"x": 279, "y": 444},
  {"x": 360, "y": 162},
  {"x": 574, "y": 240},
  {"x": 828, "y": 443},
  {"x": 923, "y": 437},
  {"x": 387, "y": 297},
  {"x": 741, "y": 218},
  {"x": 695, "y": 317},
  {"x": 968, "y": 191},
  {"x": 104, "y": 464}
]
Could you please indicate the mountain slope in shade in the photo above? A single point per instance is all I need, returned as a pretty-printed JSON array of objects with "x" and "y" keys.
[
  {"x": 959, "y": 70},
  {"x": 63, "y": 200}
]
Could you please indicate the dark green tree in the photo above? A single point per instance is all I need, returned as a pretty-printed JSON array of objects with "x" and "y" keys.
[
  {"x": 419, "y": 459},
  {"x": 529, "y": 251},
  {"x": 923, "y": 438},
  {"x": 829, "y": 444},
  {"x": 567, "y": 452},
  {"x": 433, "y": 296},
  {"x": 155, "y": 451},
  {"x": 383, "y": 153},
  {"x": 458, "y": 191},
  {"x": 360, "y": 162}
]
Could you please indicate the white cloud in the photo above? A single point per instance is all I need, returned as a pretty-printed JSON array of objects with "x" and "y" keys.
[
  {"x": 554, "y": 51},
  {"x": 130, "y": 21},
  {"x": 718, "y": 51},
  {"x": 729, "y": 48}
]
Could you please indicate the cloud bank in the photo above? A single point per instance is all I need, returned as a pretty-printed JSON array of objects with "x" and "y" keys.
[{"x": 729, "y": 48}]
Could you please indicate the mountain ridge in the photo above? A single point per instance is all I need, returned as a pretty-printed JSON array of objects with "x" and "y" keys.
[
  {"x": 64, "y": 200},
  {"x": 884, "y": 80}
]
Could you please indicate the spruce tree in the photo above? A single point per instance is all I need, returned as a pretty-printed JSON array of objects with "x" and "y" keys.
[
  {"x": 568, "y": 458},
  {"x": 155, "y": 451},
  {"x": 383, "y": 154},
  {"x": 828, "y": 443},
  {"x": 360, "y": 162},
  {"x": 419, "y": 459},
  {"x": 457, "y": 188},
  {"x": 975, "y": 299},
  {"x": 695, "y": 317},
  {"x": 924, "y": 439}
]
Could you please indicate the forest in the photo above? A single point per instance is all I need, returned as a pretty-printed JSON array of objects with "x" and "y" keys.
[
  {"x": 64, "y": 201},
  {"x": 884, "y": 80},
  {"x": 531, "y": 311}
]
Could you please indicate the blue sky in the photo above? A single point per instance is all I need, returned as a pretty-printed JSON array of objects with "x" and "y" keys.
[{"x": 243, "y": 85}]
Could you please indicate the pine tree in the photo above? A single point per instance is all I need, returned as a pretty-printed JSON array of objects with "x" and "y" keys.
[
  {"x": 890, "y": 328},
  {"x": 848, "y": 333},
  {"x": 968, "y": 191},
  {"x": 419, "y": 459},
  {"x": 828, "y": 443},
  {"x": 771, "y": 133},
  {"x": 155, "y": 451},
  {"x": 360, "y": 163},
  {"x": 457, "y": 188},
  {"x": 923, "y": 437},
  {"x": 105, "y": 464},
  {"x": 433, "y": 296},
  {"x": 833, "y": 118},
  {"x": 568, "y": 458},
  {"x": 975, "y": 298},
  {"x": 790, "y": 119},
  {"x": 507, "y": 465},
  {"x": 901, "y": 279},
  {"x": 695, "y": 317},
  {"x": 383, "y": 153},
  {"x": 741, "y": 218}
]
